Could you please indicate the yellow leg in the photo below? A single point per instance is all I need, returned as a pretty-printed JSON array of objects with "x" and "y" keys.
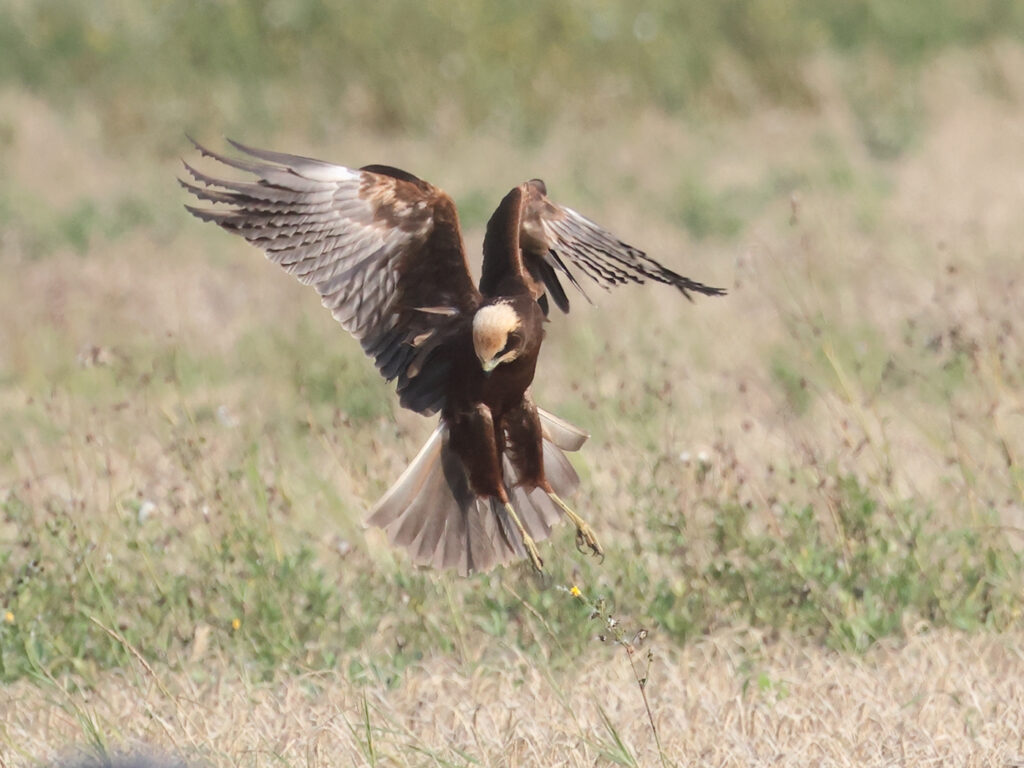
[
  {"x": 584, "y": 534},
  {"x": 528, "y": 542}
]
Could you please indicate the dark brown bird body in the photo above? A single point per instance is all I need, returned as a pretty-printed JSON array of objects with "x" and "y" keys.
[
  {"x": 483, "y": 407},
  {"x": 384, "y": 250}
]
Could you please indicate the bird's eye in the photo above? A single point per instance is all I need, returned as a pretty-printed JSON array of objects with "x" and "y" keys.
[{"x": 511, "y": 343}]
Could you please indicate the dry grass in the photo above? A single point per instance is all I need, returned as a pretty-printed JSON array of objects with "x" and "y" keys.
[
  {"x": 184, "y": 432},
  {"x": 940, "y": 698}
]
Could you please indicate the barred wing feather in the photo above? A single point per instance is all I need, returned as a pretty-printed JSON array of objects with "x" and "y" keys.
[
  {"x": 555, "y": 240},
  {"x": 381, "y": 247}
]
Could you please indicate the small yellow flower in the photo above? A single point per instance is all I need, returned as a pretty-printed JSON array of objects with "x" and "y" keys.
[
  {"x": 575, "y": 591},
  {"x": 236, "y": 624},
  {"x": 9, "y": 617}
]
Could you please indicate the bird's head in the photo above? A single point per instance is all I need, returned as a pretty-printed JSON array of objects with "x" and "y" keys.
[{"x": 497, "y": 335}]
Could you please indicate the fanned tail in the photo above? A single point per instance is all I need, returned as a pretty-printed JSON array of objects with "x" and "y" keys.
[{"x": 431, "y": 511}]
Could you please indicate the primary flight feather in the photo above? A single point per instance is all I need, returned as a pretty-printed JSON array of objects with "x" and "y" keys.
[{"x": 384, "y": 250}]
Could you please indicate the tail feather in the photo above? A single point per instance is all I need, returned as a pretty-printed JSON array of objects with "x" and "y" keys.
[
  {"x": 566, "y": 436},
  {"x": 417, "y": 524},
  {"x": 432, "y": 512},
  {"x": 537, "y": 512},
  {"x": 451, "y": 551},
  {"x": 407, "y": 487},
  {"x": 559, "y": 471},
  {"x": 485, "y": 543}
]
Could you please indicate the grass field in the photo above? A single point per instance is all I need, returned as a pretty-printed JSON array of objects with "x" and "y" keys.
[{"x": 810, "y": 492}]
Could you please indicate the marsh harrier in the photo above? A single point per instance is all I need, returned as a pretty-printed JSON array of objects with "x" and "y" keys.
[{"x": 384, "y": 250}]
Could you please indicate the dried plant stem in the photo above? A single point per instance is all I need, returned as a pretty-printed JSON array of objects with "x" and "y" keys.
[
  {"x": 642, "y": 685},
  {"x": 598, "y": 611}
]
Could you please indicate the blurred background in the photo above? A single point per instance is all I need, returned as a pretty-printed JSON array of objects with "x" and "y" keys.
[
  {"x": 188, "y": 443},
  {"x": 428, "y": 69}
]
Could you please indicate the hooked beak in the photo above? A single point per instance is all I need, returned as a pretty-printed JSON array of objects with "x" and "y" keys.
[{"x": 489, "y": 365}]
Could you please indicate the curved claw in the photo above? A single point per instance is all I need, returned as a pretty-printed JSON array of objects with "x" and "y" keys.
[
  {"x": 580, "y": 542},
  {"x": 535, "y": 558},
  {"x": 585, "y": 537}
]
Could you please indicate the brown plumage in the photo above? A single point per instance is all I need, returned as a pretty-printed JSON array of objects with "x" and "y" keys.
[{"x": 385, "y": 252}]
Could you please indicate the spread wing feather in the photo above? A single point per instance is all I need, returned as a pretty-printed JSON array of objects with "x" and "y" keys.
[
  {"x": 555, "y": 240},
  {"x": 380, "y": 246}
]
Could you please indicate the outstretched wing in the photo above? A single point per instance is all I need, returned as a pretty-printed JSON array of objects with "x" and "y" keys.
[
  {"x": 555, "y": 240},
  {"x": 380, "y": 246}
]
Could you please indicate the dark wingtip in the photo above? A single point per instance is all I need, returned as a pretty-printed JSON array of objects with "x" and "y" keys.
[
  {"x": 203, "y": 214},
  {"x": 191, "y": 172},
  {"x": 685, "y": 285},
  {"x": 708, "y": 290},
  {"x": 262, "y": 154},
  {"x": 199, "y": 147}
]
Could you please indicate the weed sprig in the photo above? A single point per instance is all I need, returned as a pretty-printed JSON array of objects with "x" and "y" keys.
[{"x": 632, "y": 645}]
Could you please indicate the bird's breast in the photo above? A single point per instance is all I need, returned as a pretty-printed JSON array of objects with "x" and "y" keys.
[{"x": 500, "y": 390}]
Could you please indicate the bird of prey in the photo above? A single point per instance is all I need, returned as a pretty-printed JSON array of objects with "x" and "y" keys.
[{"x": 384, "y": 250}]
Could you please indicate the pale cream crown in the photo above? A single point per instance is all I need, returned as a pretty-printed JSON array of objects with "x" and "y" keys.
[{"x": 491, "y": 326}]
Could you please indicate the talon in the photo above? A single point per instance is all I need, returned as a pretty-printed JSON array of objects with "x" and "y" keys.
[
  {"x": 580, "y": 542},
  {"x": 584, "y": 534},
  {"x": 535, "y": 558}
]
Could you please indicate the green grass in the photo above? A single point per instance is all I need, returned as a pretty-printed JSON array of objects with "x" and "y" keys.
[
  {"x": 855, "y": 565},
  {"x": 829, "y": 457},
  {"x": 862, "y": 574},
  {"x": 235, "y": 529},
  {"x": 516, "y": 68}
]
